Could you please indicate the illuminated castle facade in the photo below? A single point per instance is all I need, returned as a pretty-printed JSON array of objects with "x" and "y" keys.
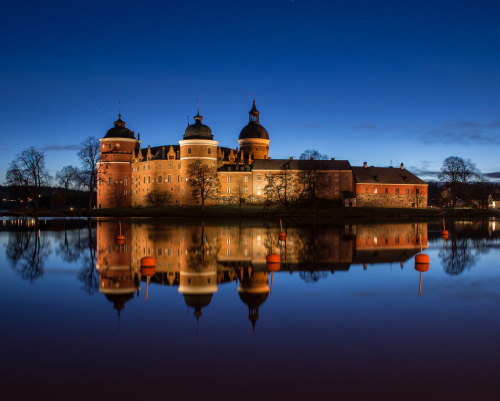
[{"x": 128, "y": 174}]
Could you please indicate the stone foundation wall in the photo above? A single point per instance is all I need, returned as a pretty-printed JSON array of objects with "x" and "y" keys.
[{"x": 391, "y": 200}]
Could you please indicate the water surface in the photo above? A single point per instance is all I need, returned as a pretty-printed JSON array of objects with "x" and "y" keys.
[{"x": 346, "y": 315}]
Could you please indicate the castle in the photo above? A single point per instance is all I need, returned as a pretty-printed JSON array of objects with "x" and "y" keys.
[{"x": 129, "y": 174}]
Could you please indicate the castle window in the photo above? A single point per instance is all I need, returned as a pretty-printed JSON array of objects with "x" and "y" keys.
[
  {"x": 100, "y": 182},
  {"x": 143, "y": 168},
  {"x": 179, "y": 178},
  {"x": 169, "y": 178},
  {"x": 189, "y": 151},
  {"x": 132, "y": 181},
  {"x": 258, "y": 191},
  {"x": 179, "y": 166},
  {"x": 125, "y": 181},
  {"x": 366, "y": 190},
  {"x": 258, "y": 177},
  {"x": 125, "y": 192},
  {"x": 387, "y": 190},
  {"x": 396, "y": 191},
  {"x": 109, "y": 146},
  {"x": 149, "y": 167},
  {"x": 170, "y": 165},
  {"x": 149, "y": 179},
  {"x": 182, "y": 191},
  {"x": 375, "y": 190},
  {"x": 246, "y": 190},
  {"x": 407, "y": 191},
  {"x": 268, "y": 176},
  {"x": 110, "y": 181},
  {"x": 417, "y": 191},
  {"x": 209, "y": 151},
  {"x": 99, "y": 192},
  {"x": 214, "y": 164},
  {"x": 160, "y": 179},
  {"x": 246, "y": 178},
  {"x": 172, "y": 157},
  {"x": 160, "y": 166},
  {"x": 228, "y": 190},
  {"x": 228, "y": 178}
]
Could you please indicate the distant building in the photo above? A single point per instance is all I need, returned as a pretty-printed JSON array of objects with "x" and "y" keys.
[
  {"x": 129, "y": 173},
  {"x": 494, "y": 201}
]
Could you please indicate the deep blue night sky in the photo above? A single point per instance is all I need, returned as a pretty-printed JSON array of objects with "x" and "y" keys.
[{"x": 376, "y": 81}]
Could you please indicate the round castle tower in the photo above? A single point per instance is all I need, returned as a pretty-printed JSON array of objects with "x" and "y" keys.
[
  {"x": 254, "y": 138},
  {"x": 197, "y": 146},
  {"x": 114, "y": 171}
]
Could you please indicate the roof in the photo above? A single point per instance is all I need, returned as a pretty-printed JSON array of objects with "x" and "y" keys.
[
  {"x": 495, "y": 196},
  {"x": 253, "y": 130},
  {"x": 281, "y": 164},
  {"x": 119, "y": 130},
  {"x": 235, "y": 167},
  {"x": 156, "y": 151},
  {"x": 198, "y": 130},
  {"x": 385, "y": 175}
]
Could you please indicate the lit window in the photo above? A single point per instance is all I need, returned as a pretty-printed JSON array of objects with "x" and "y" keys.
[
  {"x": 149, "y": 179},
  {"x": 228, "y": 190},
  {"x": 125, "y": 192},
  {"x": 169, "y": 178},
  {"x": 375, "y": 190},
  {"x": 110, "y": 181},
  {"x": 258, "y": 177},
  {"x": 125, "y": 181},
  {"x": 246, "y": 178},
  {"x": 246, "y": 190},
  {"x": 228, "y": 178},
  {"x": 160, "y": 179},
  {"x": 258, "y": 191},
  {"x": 179, "y": 178}
]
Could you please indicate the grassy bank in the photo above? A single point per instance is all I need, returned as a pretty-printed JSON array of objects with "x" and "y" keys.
[{"x": 258, "y": 212}]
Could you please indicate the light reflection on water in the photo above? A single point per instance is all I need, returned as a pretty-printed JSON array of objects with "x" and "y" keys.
[{"x": 342, "y": 315}]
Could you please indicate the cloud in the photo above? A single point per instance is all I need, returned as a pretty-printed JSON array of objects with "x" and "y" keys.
[
  {"x": 495, "y": 174},
  {"x": 364, "y": 126},
  {"x": 61, "y": 147},
  {"x": 464, "y": 133}
]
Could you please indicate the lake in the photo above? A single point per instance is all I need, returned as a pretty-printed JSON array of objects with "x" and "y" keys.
[{"x": 345, "y": 313}]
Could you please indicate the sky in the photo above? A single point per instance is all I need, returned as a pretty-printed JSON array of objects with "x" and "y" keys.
[{"x": 378, "y": 81}]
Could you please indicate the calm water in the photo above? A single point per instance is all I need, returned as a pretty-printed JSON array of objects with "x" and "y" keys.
[{"x": 346, "y": 316}]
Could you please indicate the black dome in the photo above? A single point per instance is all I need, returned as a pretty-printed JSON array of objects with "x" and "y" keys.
[
  {"x": 253, "y": 300},
  {"x": 198, "y": 130},
  {"x": 119, "y": 130},
  {"x": 254, "y": 130}
]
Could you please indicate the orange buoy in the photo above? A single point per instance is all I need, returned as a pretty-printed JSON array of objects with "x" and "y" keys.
[
  {"x": 282, "y": 236},
  {"x": 444, "y": 234},
  {"x": 148, "y": 271},
  {"x": 273, "y": 267},
  {"x": 148, "y": 261},
  {"x": 421, "y": 267},
  {"x": 422, "y": 259},
  {"x": 120, "y": 239},
  {"x": 273, "y": 258}
]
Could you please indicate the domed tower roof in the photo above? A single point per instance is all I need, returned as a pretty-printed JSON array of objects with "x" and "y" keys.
[
  {"x": 253, "y": 129},
  {"x": 198, "y": 130},
  {"x": 119, "y": 130}
]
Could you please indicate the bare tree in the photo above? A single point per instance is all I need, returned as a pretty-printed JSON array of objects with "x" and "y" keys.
[
  {"x": 116, "y": 193},
  {"x": 283, "y": 188},
  {"x": 28, "y": 173},
  {"x": 239, "y": 191},
  {"x": 89, "y": 158},
  {"x": 68, "y": 177},
  {"x": 458, "y": 173},
  {"x": 417, "y": 197},
  {"x": 157, "y": 198},
  {"x": 204, "y": 182},
  {"x": 312, "y": 154},
  {"x": 313, "y": 180}
]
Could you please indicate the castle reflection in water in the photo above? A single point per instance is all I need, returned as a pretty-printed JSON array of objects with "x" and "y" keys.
[{"x": 199, "y": 259}]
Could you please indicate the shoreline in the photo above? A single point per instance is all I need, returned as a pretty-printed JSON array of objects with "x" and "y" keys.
[{"x": 258, "y": 212}]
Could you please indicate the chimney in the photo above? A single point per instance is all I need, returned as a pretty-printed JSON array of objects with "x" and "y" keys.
[
  {"x": 365, "y": 165},
  {"x": 333, "y": 159},
  {"x": 163, "y": 152},
  {"x": 291, "y": 158},
  {"x": 402, "y": 166},
  {"x": 138, "y": 136}
]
